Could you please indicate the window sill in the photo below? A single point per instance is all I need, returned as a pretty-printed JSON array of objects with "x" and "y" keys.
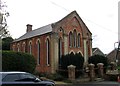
[{"x": 48, "y": 65}]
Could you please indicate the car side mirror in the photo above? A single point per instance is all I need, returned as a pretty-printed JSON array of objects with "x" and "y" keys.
[{"x": 36, "y": 80}]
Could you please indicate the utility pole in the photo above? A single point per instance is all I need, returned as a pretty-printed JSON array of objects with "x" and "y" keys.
[
  {"x": 117, "y": 53},
  {"x": 0, "y": 4}
]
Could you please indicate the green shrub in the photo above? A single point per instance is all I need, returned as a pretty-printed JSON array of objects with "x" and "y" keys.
[
  {"x": 118, "y": 67},
  {"x": 76, "y": 60},
  {"x": 17, "y": 61},
  {"x": 98, "y": 59}
]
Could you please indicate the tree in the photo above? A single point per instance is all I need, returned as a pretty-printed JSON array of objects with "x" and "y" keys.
[
  {"x": 3, "y": 20},
  {"x": 6, "y": 43}
]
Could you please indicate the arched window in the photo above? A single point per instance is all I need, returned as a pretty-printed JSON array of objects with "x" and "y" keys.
[
  {"x": 75, "y": 38},
  {"x": 59, "y": 50},
  {"x": 38, "y": 52},
  {"x": 18, "y": 48},
  {"x": 13, "y": 48},
  {"x": 70, "y": 39},
  {"x": 79, "y": 40},
  {"x": 48, "y": 51},
  {"x": 23, "y": 47},
  {"x": 30, "y": 48}
]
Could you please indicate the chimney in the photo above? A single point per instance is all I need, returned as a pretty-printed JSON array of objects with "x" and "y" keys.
[{"x": 29, "y": 27}]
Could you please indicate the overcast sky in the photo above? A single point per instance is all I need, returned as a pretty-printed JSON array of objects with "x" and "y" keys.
[{"x": 100, "y": 16}]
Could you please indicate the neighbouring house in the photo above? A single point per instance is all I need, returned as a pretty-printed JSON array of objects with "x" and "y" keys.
[
  {"x": 113, "y": 55},
  {"x": 48, "y": 43},
  {"x": 97, "y": 51}
]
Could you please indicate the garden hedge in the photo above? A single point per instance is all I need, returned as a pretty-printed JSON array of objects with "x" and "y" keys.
[
  {"x": 18, "y": 61},
  {"x": 98, "y": 59}
]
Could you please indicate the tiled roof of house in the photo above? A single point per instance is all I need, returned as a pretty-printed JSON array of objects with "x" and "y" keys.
[{"x": 36, "y": 32}]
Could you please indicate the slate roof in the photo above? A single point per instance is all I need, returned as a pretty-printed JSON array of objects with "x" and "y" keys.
[
  {"x": 36, "y": 32},
  {"x": 97, "y": 51},
  {"x": 93, "y": 49}
]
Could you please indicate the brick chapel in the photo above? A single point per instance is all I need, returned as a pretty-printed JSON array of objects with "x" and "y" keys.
[{"x": 48, "y": 43}]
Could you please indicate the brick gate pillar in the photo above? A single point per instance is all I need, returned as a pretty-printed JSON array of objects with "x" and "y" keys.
[
  {"x": 113, "y": 65},
  {"x": 71, "y": 72},
  {"x": 91, "y": 72},
  {"x": 100, "y": 70}
]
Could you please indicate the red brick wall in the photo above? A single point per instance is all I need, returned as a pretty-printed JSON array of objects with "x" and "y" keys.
[
  {"x": 42, "y": 67},
  {"x": 71, "y": 24}
]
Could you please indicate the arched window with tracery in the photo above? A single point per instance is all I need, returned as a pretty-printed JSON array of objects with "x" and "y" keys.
[
  {"x": 48, "y": 51},
  {"x": 38, "y": 52},
  {"x": 79, "y": 40},
  {"x": 70, "y": 39}
]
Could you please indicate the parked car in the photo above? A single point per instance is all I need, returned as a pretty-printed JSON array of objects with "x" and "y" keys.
[{"x": 22, "y": 79}]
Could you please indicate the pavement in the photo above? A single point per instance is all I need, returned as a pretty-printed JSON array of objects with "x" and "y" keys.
[
  {"x": 82, "y": 80},
  {"x": 86, "y": 81}
]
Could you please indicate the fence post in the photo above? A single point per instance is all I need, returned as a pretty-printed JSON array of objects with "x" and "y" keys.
[
  {"x": 91, "y": 72},
  {"x": 71, "y": 72},
  {"x": 100, "y": 70}
]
